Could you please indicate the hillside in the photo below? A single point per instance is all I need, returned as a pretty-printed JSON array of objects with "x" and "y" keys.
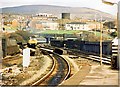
[{"x": 81, "y": 12}]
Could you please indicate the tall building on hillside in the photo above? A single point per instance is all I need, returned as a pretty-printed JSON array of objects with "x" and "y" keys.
[{"x": 65, "y": 15}]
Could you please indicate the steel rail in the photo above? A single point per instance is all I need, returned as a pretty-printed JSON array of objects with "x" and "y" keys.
[
  {"x": 47, "y": 75},
  {"x": 52, "y": 70},
  {"x": 105, "y": 60}
]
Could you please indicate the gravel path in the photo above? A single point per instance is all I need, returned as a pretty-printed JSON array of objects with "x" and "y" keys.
[{"x": 46, "y": 65}]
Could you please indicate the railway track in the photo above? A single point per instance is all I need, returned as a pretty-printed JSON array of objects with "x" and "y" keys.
[
  {"x": 59, "y": 72},
  {"x": 61, "y": 68},
  {"x": 87, "y": 55},
  {"x": 11, "y": 58},
  {"x": 105, "y": 60}
]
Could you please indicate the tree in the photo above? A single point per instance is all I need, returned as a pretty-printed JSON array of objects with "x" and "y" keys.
[
  {"x": 113, "y": 34},
  {"x": 110, "y": 24},
  {"x": 25, "y": 34},
  {"x": 17, "y": 37}
]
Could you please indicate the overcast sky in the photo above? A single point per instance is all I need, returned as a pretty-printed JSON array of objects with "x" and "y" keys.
[{"x": 95, "y": 4}]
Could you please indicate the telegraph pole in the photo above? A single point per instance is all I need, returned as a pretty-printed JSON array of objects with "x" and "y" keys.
[
  {"x": 118, "y": 29},
  {"x": 118, "y": 26},
  {"x": 95, "y": 24},
  {"x": 118, "y": 20},
  {"x": 101, "y": 41}
]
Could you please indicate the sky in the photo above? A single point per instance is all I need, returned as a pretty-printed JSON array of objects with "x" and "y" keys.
[{"x": 95, "y": 4}]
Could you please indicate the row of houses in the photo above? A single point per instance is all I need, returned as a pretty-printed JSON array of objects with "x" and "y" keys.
[
  {"x": 45, "y": 16},
  {"x": 83, "y": 25},
  {"x": 44, "y": 25},
  {"x": 45, "y": 21},
  {"x": 51, "y": 25}
]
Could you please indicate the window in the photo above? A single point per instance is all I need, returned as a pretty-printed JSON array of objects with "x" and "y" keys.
[
  {"x": 68, "y": 25},
  {"x": 75, "y": 28}
]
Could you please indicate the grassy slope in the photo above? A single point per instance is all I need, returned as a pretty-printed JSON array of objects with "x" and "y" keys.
[{"x": 70, "y": 32}]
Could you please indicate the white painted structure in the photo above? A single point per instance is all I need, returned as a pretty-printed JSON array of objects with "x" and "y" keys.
[
  {"x": 77, "y": 26},
  {"x": 26, "y": 57},
  {"x": 115, "y": 41},
  {"x": 115, "y": 47},
  {"x": 115, "y": 53}
]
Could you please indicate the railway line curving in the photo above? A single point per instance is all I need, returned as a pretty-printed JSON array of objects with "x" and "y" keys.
[
  {"x": 44, "y": 77},
  {"x": 61, "y": 69},
  {"x": 105, "y": 60},
  {"x": 59, "y": 72}
]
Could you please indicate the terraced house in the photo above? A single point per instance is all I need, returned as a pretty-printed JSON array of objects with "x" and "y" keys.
[
  {"x": 44, "y": 25},
  {"x": 77, "y": 26}
]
